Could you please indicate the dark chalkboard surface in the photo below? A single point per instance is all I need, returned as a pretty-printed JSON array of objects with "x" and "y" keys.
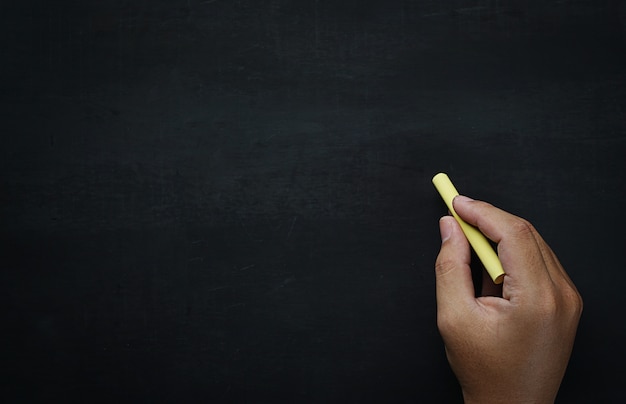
[{"x": 230, "y": 201}]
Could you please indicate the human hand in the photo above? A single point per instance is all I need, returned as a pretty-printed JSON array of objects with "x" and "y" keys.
[{"x": 511, "y": 344}]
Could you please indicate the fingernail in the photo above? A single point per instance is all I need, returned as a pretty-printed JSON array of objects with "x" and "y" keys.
[
  {"x": 444, "y": 228},
  {"x": 461, "y": 198}
]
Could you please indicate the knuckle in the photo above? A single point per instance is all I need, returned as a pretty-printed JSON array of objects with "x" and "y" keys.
[
  {"x": 549, "y": 306},
  {"x": 522, "y": 227},
  {"x": 564, "y": 304},
  {"x": 444, "y": 266},
  {"x": 574, "y": 301}
]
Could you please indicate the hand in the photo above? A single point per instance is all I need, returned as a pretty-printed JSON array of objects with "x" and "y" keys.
[{"x": 512, "y": 344}]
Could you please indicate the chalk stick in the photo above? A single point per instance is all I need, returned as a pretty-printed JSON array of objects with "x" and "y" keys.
[{"x": 477, "y": 240}]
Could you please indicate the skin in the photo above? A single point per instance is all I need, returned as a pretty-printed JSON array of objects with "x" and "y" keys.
[{"x": 511, "y": 344}]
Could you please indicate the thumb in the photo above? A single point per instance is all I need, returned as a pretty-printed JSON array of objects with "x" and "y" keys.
[{"x": 454, "y": 287}]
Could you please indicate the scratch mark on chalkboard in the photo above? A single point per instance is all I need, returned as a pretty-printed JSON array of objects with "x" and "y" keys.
[
  {"x": 293, "y": 222},
  {"x": 247, "y": 267},
  {"x": 282, "y": 284}
]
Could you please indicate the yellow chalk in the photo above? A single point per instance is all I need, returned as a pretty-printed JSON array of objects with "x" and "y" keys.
[{"x": 477, "y": 240}]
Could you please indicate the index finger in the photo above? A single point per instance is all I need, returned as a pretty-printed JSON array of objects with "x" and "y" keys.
[{"x": 518, "y": 250}]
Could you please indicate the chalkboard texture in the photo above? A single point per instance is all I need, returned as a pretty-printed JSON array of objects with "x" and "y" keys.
[{"x": 230, "y": 201}]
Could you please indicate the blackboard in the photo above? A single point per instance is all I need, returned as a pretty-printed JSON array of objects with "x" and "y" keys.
[{"x": 230, "y": 201}]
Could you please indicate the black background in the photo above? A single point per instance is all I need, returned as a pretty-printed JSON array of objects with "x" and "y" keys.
[{"x": 230, "y": 201}]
